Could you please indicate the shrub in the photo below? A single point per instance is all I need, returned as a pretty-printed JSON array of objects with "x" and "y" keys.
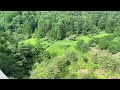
[
  {"x": 82, "y": 46},
  {"x": 89, "y": 76},
  {"x": 90, "y": 35},
  {"x": 105, "y": 59},
  {"x": 85, "y": 59},
  {"x": 93, "y": 42},
  {"x": 114, "y": 48},
  {"x": 104, "y": 41},
  {"x": 72, "y": 38},
  {"x": 117, "y": 31},
  {"x": 114, "y": 45},
  {"x": 68, "y": 34},
  {"x": 55, "y": 69},
  {"x": 71, "y": 56}
]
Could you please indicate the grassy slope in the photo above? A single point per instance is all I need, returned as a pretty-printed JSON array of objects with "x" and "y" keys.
[
  {"x": 57, "y": 50},
  {"x": 29, "y": 41}
]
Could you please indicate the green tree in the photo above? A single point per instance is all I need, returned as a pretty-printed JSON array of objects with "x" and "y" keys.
[
  {"x": 117, "y": 31},
  {"x": 82, "y": 46},
  {"x": 114, "y": 45}
]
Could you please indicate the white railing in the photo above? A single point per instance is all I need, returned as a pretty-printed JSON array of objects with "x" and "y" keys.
[{"x": 2, "y": 75}]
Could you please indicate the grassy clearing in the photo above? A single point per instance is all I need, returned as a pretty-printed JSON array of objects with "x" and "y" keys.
[
  {"x": 101, "y": 34},
  {"x": 85, "y": 38},
  {"x": 31, "y": 41},
  {"x": 59, "y": 47},
  {"x": 63, "y": 46}
]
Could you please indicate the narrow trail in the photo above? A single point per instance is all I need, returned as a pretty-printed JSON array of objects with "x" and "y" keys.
[{"x": 51, "y": 45}]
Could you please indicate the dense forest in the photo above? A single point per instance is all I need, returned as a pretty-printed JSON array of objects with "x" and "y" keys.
[{"x": 60, "y": 44}]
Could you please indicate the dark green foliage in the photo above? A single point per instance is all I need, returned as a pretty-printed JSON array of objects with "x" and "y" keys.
[
  {"x": 85, "y": 59},
  {"x": 82, "y": 46},
  {"x": 110, "y": 42},
  {"x": 102, "y": 23},
  {"x": 18, "y": 59},
  {"x": 93, "y": 42},
  {"x": 71, "y": 56},
  {"x": 117, "y": 31},
  {"x": 110, "y": 25},
  {"x": 104, "y": 41},
  {"x": 58, "y": 24},
  {"x": 114, "y": 45}
]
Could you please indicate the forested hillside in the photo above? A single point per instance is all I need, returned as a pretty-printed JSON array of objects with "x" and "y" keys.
[{"x": 60, "y": 44}]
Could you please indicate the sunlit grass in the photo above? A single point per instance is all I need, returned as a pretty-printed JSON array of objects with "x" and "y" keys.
[
  {"x": 63, "y": 46},
  {"x": 86, "y": 38},
  {"x": 31, "y": 41},
  {"x": 101, "y": 34}
]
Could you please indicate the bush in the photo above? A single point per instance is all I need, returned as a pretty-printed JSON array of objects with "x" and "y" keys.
[
  {"x": 105, "y": 59},
  {"x": 68, "y": 34},
  {"x": 117, "y": 31},
  {"x": 72, "y": 38},
  {"x": 104, "y": 41},
  {"x": 55, "y": 69},
  {"x": 85, "y": 59},
  {"x": 82, "y": 46},
  {"x": 90, "y": 35},
  {"x": 93, "y": 42},
  {"x": 89, "y": 76},
  {"x": 45, "y": 39},
  {"x": 114, "y": 46},
  {"x": 71, "y": 56}
]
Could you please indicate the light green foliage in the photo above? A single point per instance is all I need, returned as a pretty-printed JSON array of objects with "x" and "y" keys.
[
  {"x": 71, "y": 56},
  {"x": 60, "y": 44},
  {"x": 85, "y": 38},
  {"x": 72, "y": 38},
  {"x": 31, "y": 41},
  {"x": 101, "y": 34},
  {"x": 53, "y": 70},
  {"x": 105, "y": 59},
  {"x": 60, "y": 47},
  {"x": 39, "y": 33}
]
